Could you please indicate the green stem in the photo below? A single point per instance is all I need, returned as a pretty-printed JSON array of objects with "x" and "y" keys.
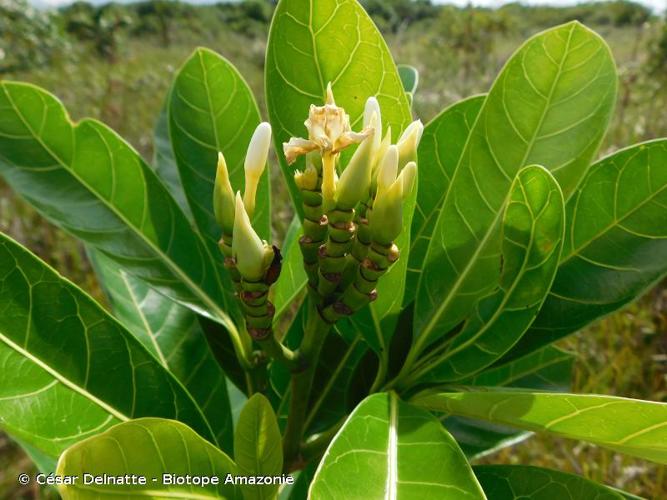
[
  {"x": 316, "y": 331},
  {"x": 315, "y": 448}
]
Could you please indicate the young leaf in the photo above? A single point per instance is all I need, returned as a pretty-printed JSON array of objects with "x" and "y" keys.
[
  {"x": 629, "y": 426},
  {"x": 533, "y": 226},
  {"x": 513, "y": 482},
  {"x": 314, "y": 43},
  {"x": 439, "y": 153},
  {"x": 91, "y": 183},
  {"x": 616, "y": 244},
  {"x": 173, "y": 335},
  {"x": 258, "y": 446},
  {"x": 410, "y": 79},
  {"x": 394, "y": 450},
  {"x": 64, "y": 355},
  {"x": 549, "y": 106},
  {"x": 149, "y": 447},
  {"x": 211, "y": 109}
]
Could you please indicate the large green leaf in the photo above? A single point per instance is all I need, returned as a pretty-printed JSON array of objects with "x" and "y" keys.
[
  {"x": 152, "y": 448},
  {"x": 68, "y": 369},
  {"x": 312, "y": 43},
  {"x": 548, "y": 369},
  {"x": 212, "y": 109},
  {"x": 164, "y": 162},
  {"x": 514, "y": 482},
  {"x": 439, "y": 153},
  {"x": 258, "y": 447},
  {"x": 629, "y": 426},
  {"x": 549, "y": 106},
  {"x": 393, "y": 450},
  {"x": 87, "y": 180},
  {"x": 616, "y": 245},
  {"x": 532, "y": 238},
  {"x": 173, "y": 335}
]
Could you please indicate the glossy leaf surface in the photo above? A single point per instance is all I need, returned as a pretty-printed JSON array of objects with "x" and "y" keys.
[
  {"x": 532, "y": 238},
  {"x": 312, "y": 43},
  {"x": 173, "y": 335},
  {"x": 616, "y": 243},
  {"x": 293, "y": 279},
  {"x": 86, "y": 179},
  {"x": 396, "y": 451},
  {"x": 629, "y": 426},
  {"x": 513, "y": 482},
  {"x": 439, "y": 153},
  {"x": 211, "y": 109},
  {"x": 63, "y": 355},
  {"x": 149, "y": 447},
  {"x": 549, "y": 106},
  {"x": 258, "y": 446}
]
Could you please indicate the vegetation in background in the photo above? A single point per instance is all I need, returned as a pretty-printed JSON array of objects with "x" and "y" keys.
[{"x": 625, "y": 354}]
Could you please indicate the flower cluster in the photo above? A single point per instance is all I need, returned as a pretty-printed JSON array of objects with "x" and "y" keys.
[{"x": 351, "y": 220}]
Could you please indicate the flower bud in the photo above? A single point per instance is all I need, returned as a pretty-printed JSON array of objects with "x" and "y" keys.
[
  {"x": 252, "y": 255},
  {"x": 388, "y": 169},
  {"x": 306, "y": 180},
  {"x": 373, "y": 109},
  {"x": 255, "y": 162},
  {"x": 223, "y": 197},
  {"x": 355, "y": 181},
  {"x": 386, "y": 219},
  {"x": 409, "y": 142},
  {"x": 408, "y": 176},
  {"x": 328, "y": 181}
]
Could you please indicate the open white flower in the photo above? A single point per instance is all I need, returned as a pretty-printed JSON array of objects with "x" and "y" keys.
[{"x": 329, "y": 131}]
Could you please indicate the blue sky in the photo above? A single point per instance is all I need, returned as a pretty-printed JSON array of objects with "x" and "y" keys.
[{"x": 658, "y": 5}]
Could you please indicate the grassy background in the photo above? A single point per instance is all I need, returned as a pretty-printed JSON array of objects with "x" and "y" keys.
[{"x": 458, "y": 53}]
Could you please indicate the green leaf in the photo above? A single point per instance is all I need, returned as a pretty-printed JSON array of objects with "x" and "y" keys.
[
  {"x": 549, "y": 106},
  {"x": 514, "y": 482},
  {"x": 62, "y": 355},
  {"x": 629, "y": 426},
  {"x": 173, "y": 335},
  {"x": 293, "y": 279},
  {"x": 616, "y": 244},
  {"x": 410, "y": 79},
  {"x": 258, "y": 446},
  {"x": 547, "y": 369},
  {"x": 393, "y": 450},
  {"x": 164, "y": 162},
  {"x": 148, "y": 447},
  {"x": 91, "y": 183},
  {"x": 212, "y": 109},
  {"x": 532, "y": 234},
  {"x": 314, "y": 43},
  {"x": 439, "y": 153}
]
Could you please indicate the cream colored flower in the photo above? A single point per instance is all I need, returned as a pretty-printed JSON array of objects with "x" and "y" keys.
[{"x": 329, "y": 131}]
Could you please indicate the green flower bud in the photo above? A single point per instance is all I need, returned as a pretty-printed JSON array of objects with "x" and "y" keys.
[
  {"x": 255, "y": 162},
  {"x": 388, "y": 169},
  {"x": 386, "y": 219},
  {"x": 253, "y": 256},
  {"x": 306, "y": 180},
  {"x": 223, "y": 197},
  {"x": 355, "y": 181},
  {"x": 409, "y": 142},
  {"x": 328, "y": 181},
  {"x": 408, "y": 176}
]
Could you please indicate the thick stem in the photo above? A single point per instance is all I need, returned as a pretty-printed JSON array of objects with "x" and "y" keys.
[{"x": 309, "y": 352}]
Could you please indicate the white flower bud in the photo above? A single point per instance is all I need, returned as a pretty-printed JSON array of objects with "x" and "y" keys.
[
  {"x": 255, "y": 162},
  {"x": 249, "y": 251},
  {"x": 223, "y": 197},
  {"x": 409, "y": 143}
]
